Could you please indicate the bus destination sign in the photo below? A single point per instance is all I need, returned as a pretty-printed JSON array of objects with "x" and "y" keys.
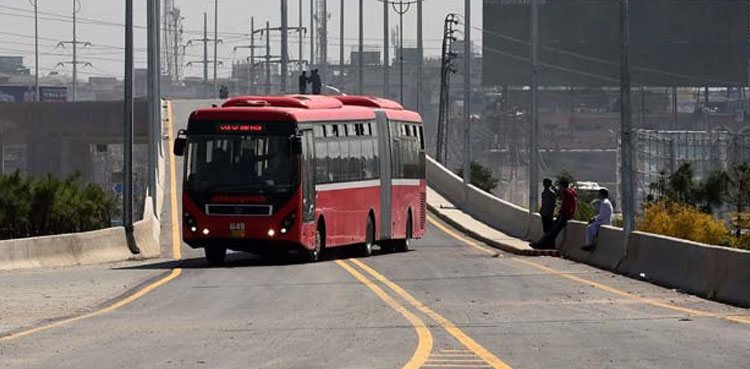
[{"x": 239, "y": 128}]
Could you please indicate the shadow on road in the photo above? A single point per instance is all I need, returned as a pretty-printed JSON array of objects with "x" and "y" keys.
[{"x": 246, "y": 260}]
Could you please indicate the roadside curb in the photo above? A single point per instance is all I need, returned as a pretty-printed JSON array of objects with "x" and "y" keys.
[{"x": 493, "y": 243}]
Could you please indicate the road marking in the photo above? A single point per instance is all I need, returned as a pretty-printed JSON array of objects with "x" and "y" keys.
[
  {"x": 449, "y": 327},
  {"x": 176, "y": 250},
  {"x": 457, "y": 366},
  {"x": 693, "y": 312},
  {"x": 467, "y": 241},
  {"x": 142, "y": 292},
  {"x": 423, "y": 333}
]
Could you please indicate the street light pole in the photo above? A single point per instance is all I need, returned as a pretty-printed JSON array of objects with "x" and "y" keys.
[
  {"x": 127, "y": 181},
  {"x": 37, "y": 97},
  {"x": 534, "y": 121},
  {"x": 386, "y": 52},
  {"x": 467, "y": 98},
  {"x": 216, "y": 44},
  {"x": 284, "y": 47},
  {"x": 361, "y": 56},
  {"x": 626, "y": 125},
  {"x": 420, "y": 54}
]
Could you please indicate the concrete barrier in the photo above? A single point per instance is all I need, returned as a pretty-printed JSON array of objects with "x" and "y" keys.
[
  {"x": 713, "y": 272},
  {"x": 499, "y": 214}
]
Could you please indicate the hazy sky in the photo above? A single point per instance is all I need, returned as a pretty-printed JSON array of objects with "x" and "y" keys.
[{"x": 100, "y": 22}]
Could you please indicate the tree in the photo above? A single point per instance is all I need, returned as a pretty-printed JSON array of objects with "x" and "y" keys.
[
  {"x": 481, "y": 177},
  {"x": 739, "y": 191}
]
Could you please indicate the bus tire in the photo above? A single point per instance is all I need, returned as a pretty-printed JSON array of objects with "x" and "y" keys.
[
  {"x": 215, "y": 256},
  {"x": 365, "y": 249},
  {"x": 315, "y": 254},
  {"x": 403, "y": 245}
]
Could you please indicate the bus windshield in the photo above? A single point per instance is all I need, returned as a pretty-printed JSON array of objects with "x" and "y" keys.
[{"x": 240, "y": 164}]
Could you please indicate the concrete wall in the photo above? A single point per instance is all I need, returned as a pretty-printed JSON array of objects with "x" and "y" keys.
[{"x": 708, "y": 271}]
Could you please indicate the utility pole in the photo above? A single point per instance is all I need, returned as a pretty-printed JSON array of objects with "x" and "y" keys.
[
  {"x": 251, "y": 60},
  {"x": 534, "y": 121},
  {"x": 341, "y": 45},
  {"x": 386, "y": 52},
  {"x": 360, "y": 56},
  {"x": 301, "y": 38},
  {"x": 216, "y": 44},
  {"x": 627, "y": 169},
  {"x": 467, "y": 97},
  {"x": 74, "y": 43},
  {"x": 268, "y": 58},
  {"x": 205, "y": 40},
  {"x": 205, "y": 48},
  {"x": 447, "y": 68},
  {"x": 312, "y": 33},
  {"x": 323, "y": 38},
  {"x": 154, "y": 98},
  {"x": 420, "y": 54},
  {"x": 127, "y": 180},
  {"x": 284, "y": 47},
  {"x": 37, "y": 97}
]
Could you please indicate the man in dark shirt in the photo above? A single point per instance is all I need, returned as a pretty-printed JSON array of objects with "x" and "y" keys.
[
  {"x": 303, "y": 81},
  {"x": 567, "y": 212},
  {"x": 317, "y": 83},
  {"x": 547, "y": 211}
]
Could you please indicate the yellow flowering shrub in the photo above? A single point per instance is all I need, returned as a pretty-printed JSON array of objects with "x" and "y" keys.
[{"x": 682, "y": 221}]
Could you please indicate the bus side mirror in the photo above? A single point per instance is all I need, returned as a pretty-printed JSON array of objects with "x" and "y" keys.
[
  {"x": 179, "y": 143},
  {"x": 296, "y": 143}
]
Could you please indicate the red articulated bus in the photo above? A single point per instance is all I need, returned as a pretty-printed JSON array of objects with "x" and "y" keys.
[{"x": 267, "y": 174}]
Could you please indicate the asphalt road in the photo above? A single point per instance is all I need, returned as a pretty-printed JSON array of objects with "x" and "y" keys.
[{"x": 449, "y": 303}]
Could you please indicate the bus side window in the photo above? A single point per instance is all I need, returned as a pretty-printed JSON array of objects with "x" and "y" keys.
[
  {"x": 321, "y": 161},
  {"x": 355, "y": 159},
  {"x": 334, "y": 160},
  {"x": 421, "y": 138},
  {"x": 345, "y": 172}
]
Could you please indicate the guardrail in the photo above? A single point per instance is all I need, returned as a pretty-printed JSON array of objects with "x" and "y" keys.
[{"x": 712, "y": 272}]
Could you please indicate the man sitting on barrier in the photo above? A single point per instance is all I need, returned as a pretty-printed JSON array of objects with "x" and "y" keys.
[
  {"x": 567, "y": 212},
  {"x": 603, "y": 218}
]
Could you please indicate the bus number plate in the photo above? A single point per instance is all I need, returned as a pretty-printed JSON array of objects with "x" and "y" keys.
[{"x": 237, "y": 229}]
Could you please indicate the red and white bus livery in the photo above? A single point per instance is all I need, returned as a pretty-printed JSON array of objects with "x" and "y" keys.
[{"x": 266, "y": 174}]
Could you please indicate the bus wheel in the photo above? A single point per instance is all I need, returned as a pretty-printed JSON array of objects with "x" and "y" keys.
[
  {"x": 365, "y": 249},
  {"x": 215, "y": 255},
  {"x": 320, "y": 244},
  {"x": 403, "y": 245}
]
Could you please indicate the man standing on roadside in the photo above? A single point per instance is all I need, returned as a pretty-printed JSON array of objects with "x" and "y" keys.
[
  {"x": 303, "y": 81},
  {"x": 317, "y": 83},
  {"x": 567, "y": 212},
  {"x": 547, "y": 211}
]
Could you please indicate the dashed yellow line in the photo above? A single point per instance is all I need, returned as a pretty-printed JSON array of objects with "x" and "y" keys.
[
  {"x": 424, "y": 346},
  {"x": 176, "y": 250},
  {"x": 449, "y": 327},
  {"x": 174, "y": 274},
  {"x": 465, "y": 240}
]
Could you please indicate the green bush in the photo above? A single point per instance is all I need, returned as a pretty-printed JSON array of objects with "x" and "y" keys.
[
  {"x": 481, "y": 177},
  {"x": 47, "y": 206}
]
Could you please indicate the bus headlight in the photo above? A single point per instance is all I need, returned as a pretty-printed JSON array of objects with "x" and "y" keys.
[
  {"x": 271, "y": 233},
  {"x": 288, "y": 222},
  {"x": 206, "y": 231}
]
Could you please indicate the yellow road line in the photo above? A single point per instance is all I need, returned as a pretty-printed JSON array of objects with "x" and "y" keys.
[
  {"x": 176, "y": 251},
  {"x": 465, "y": 240},
  {"x": 424, "y": 345},
  {"x": 455, "y": 360},
  {"x": 451, "y": 328},
  {"x": 693, "y": 312},
  {"x": 453, "y": 355},
  {"x": 457, "y": 366},
  {"x": 452, "y": 350},
  {"x": 174, "y": 274}
]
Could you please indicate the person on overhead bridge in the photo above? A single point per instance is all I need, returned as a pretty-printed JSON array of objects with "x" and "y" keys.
[{"x": 603, "y": 218}]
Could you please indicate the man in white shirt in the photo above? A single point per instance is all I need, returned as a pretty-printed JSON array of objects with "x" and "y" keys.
[{"x": 603, "y": 218}]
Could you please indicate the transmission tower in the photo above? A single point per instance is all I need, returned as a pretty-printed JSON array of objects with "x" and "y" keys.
[
  {"x": 74, "y": 43},
  {"x": 174, "y": 53}
]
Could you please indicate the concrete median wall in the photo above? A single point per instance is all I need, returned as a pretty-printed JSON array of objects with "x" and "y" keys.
[
  {"x": 713, "y": 272},
  {"x": 499, "y": 214},
  {"x": 102, "y": 246}
]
